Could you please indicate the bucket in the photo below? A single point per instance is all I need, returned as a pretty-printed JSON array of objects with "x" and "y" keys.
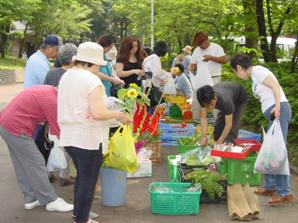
[{"x": 113, "y": 187}]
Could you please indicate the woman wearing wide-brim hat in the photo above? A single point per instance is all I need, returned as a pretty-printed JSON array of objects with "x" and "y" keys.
[{"x": 82, "y": 116}]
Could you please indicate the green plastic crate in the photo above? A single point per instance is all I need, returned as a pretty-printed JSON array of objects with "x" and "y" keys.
[
  {"x": 223, "y": 167},
  {"x": 242, "y": 171},
  {"x": 176, "y": 201},
  {"x": 174, "y": 176},
  {"x": 175, "y": 112},
  {"x": 184, "y": 148}
]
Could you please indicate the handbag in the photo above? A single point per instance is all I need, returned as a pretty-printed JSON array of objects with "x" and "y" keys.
[
  {"x": 154, "y": 95},
  {"x": 121, "y": 154},
  {"x": 42, "y": 141}
]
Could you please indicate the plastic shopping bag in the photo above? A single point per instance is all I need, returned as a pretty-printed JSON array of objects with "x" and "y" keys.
[
  {"x": 273, "y": 156},
  {"x": 202, "y": 78},
  {"x": 122, "y": 154},
  {"x": 56, "y": 160}
]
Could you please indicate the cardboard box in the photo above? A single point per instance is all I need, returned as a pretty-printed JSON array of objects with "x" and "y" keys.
[{"x": 144, "y": 170}]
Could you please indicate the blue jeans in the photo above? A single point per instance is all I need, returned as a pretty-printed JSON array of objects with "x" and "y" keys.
[{"x": 281, "y": 183}]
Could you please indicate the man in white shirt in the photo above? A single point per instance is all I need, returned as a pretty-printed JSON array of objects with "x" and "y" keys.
[{"x": 210, "y": 53}]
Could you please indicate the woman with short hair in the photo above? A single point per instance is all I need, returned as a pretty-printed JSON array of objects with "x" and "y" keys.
[{"x": 83, "y": 116}]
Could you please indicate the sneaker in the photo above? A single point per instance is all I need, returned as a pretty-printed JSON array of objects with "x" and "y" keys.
[
  {"x": 34, "y": 204},
  {"x": 59, "y": 205}
]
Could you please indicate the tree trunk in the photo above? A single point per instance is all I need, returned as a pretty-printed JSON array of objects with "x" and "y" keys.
[
  {"x": 3, "y": 39},
  {"x": 187, "y": 39},
  {"x": 251, "y": 30},
  {"x": 294, "y": 57},
  {"x": 22, "y": 41},
  {"x": 262, "y": 30}
]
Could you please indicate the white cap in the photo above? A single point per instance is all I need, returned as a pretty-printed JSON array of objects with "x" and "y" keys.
[{"x": 90, "y": 52}]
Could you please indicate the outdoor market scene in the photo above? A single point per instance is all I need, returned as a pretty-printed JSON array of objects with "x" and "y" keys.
[{"x": 102, "y": 121}]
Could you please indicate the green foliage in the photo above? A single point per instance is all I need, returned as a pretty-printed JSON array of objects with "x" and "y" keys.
[
  {"x": 209, "y": 181},
  {"x": 253, "y": 118},
  {"x": 11, "y": 63}
]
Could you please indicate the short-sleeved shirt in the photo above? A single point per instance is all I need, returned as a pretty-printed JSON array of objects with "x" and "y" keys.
[
  {"x": 53, "y": 76},
  {"x": 132, "y": 78},
  {"x": 36, "y": 69},
  {"x": 262, "y": 92},
  {"x": 107, "y": 70},
  {"x": 213, "y": 50},
  {"x": 229, "y": 96},
  {"x": 77, "y": 129},
  {"x": 183, "y": 84},
  {"x": 32, "y": 106}
]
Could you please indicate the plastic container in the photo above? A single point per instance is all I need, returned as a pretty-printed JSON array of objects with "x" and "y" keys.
[
  {"x": 244, "y": 134},
  {"x": 242, "y": 171},
  {"x": 176, "y": 130},
  {"x": 169, "y": 141},
  {"x": 251, "y": 144},
  {"x": 173, "y": 169},
  {"x": 175, "y": 112},
  {"x": 176, "y": 201},
  {"x": 184, "y": 148},
  {"x": 113, "y": 187},
  {"x": 255, "y": 144}
]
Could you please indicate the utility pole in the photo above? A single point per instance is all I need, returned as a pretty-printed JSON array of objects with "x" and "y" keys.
[{"x": 152, "y": 24}]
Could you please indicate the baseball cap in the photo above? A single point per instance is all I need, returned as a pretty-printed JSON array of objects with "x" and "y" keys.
[{"x": 53, "y": 40}]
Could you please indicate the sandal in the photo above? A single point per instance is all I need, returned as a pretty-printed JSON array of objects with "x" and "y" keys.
[
  {"x": 264, "y": 192},
  {"x": 277, "y": 199}
]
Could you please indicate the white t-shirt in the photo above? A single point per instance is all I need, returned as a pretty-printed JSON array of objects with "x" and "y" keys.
[
  {"x": 77, "y": 129},
  {"x": 262, "y": 92},
  {"x": 213, "y": 50}
]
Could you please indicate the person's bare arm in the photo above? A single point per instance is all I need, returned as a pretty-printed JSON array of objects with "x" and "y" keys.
[
  {"x": 274, "y": 85},
  {"x": 204, "y": 126},
  {"x": 220, "y": 60},
  {"x": 99, "y": 110},
  {"x": 227, "y": 129},
  {"x": 121, "y": 73}
]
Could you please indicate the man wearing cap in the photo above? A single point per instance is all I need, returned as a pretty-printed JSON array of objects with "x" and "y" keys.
[
  {"x": 38, "y": 64},
  {"x": 184, "y": 59},
  {"x": 210, "y": 53}
]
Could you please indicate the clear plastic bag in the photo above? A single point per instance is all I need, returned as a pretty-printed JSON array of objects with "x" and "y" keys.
[
  {"x": 56, "y": 160},
  {"x": 273, "y": 156}
]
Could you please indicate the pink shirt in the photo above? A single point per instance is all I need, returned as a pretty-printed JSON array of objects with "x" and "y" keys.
[{"x": 32, "y": 106}]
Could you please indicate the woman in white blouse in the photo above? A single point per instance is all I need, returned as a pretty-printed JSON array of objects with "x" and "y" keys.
[{"x": 82, "y": 116}]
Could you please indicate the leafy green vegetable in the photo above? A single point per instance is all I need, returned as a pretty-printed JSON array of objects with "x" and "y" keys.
[{"x": 209, "y": 180}]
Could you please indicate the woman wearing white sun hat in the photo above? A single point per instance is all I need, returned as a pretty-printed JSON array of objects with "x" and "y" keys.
[{"x": 82, "y": 116}]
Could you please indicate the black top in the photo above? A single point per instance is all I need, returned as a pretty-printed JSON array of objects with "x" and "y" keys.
[
  {"x": 53, "y": 76},
  {"x": 132, "y": 78},
  {"x": 229, "y": 95}
]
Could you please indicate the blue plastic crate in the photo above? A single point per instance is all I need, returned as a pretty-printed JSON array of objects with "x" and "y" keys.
[
  {"x": 244, "y": 134},
  {"x": 169, "y": 141},
  {"x": 176, "y": 130}
]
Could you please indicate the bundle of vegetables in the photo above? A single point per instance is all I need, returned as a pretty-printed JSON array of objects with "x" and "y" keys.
[
  {"x": 198, "y": 157},
  {"x": 209, "y": 181},
  {"x": 191, "y": 140}
]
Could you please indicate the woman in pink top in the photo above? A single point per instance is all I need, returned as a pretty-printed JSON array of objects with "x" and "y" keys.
[{"x": 18, "y": 122}]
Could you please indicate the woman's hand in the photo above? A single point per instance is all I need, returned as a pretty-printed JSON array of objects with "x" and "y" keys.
[
  {"x": 204, "y": 141},
  {"x": 276, "y": 112},
  {"x": 117, "y": 81},
  {"x": 123, "y": 118}
]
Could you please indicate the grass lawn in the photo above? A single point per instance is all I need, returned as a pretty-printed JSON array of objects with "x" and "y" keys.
[{"x": 11, "y": 63}]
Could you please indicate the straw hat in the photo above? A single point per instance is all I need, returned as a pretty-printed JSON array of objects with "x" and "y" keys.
[
  {"x": 187, "y": 49},
  {"x": 91, "y": 53}
]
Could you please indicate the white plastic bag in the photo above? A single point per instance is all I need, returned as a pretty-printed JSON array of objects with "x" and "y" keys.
[
  {"x": 56, "y": 159},
  {"x": 202, "y": 78},
  {"x": 169, "y": 87},
  {"x": 273, "y": 156}
]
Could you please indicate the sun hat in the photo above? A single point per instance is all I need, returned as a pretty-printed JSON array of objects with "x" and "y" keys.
[
  {"x": 187, "y": 49},
  {"x": 53, "y": 40},
  {"x": 90, "y": 52}
]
